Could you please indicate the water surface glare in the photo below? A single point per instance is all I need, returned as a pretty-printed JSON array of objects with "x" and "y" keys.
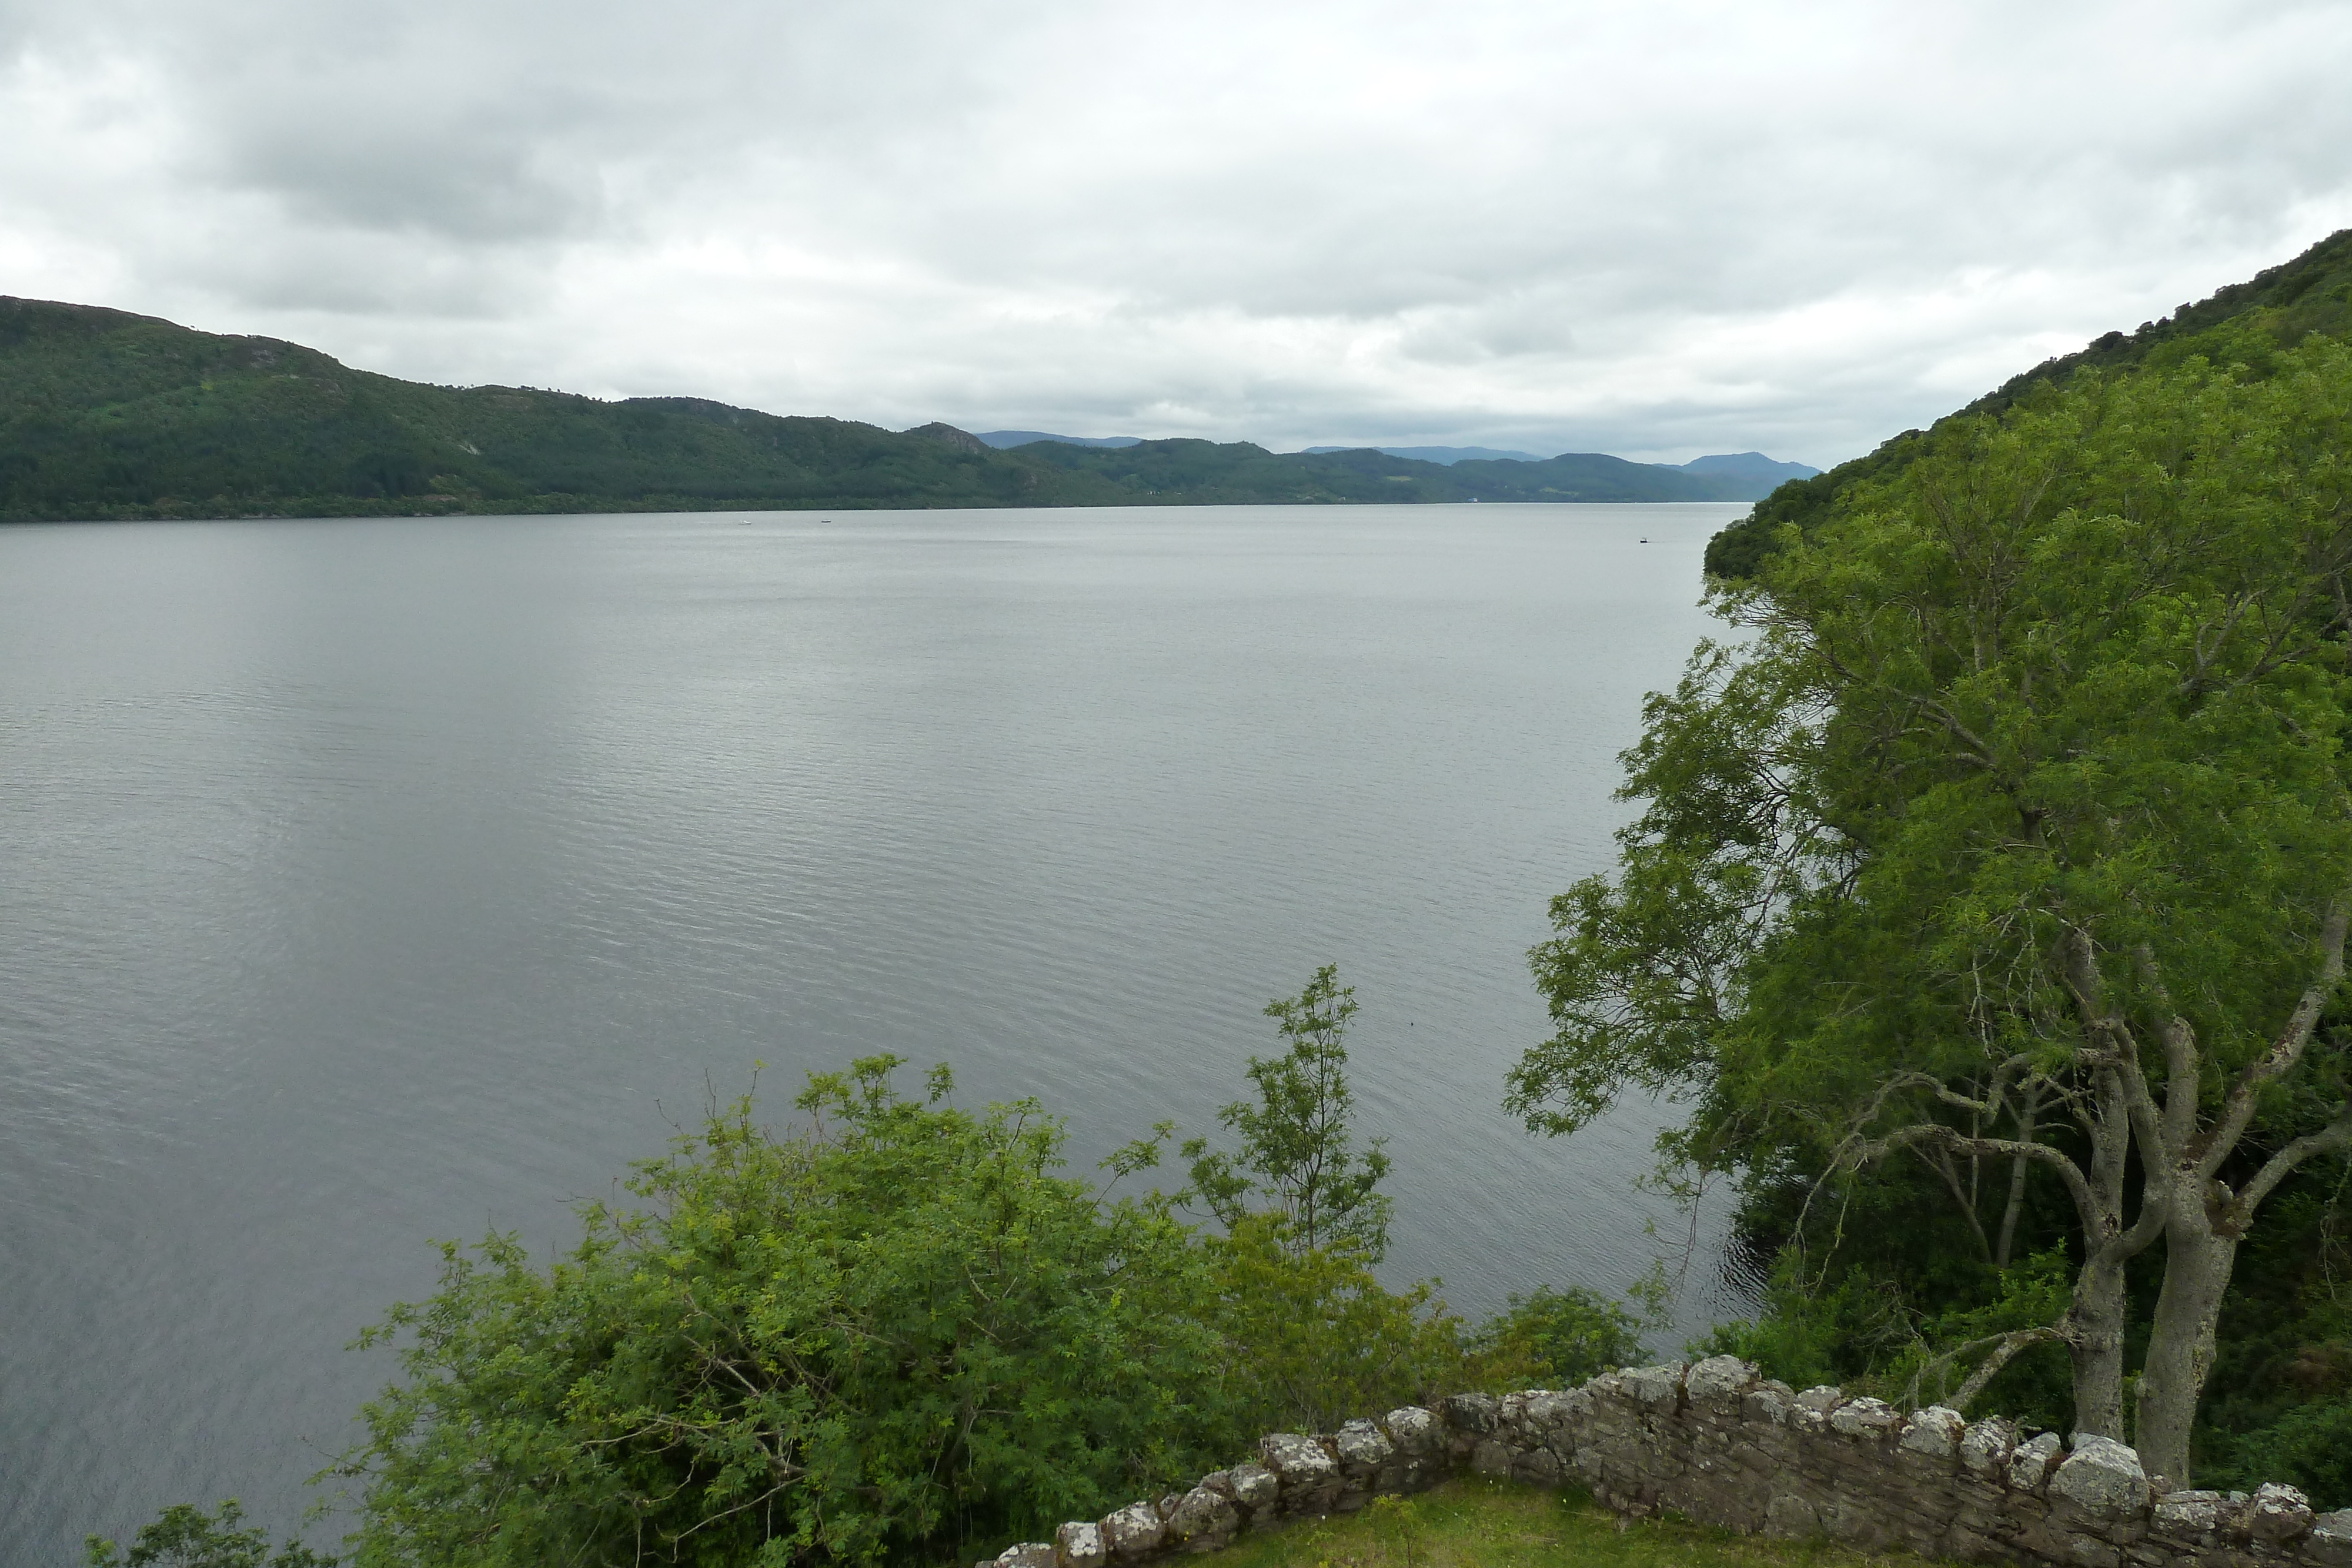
[{"x": 368, "y": 882}]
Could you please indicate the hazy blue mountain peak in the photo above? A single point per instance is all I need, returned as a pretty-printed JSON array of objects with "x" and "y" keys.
[
  {"x": 1001, "y": 438},
  {"x": 1750, "y": 465},
  {"x": 1449, "y": 455}
]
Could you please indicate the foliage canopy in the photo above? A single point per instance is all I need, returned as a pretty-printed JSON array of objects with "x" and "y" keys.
[
  {"x": 2017, "y": 830},
  {"x": 897, "y": 1330}
]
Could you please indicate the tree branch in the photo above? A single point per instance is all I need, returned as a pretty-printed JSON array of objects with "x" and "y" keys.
[{"x": 2238, "y": 1112}]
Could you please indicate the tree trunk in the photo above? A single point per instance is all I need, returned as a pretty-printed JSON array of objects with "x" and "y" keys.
[
  {"x": 2199, "y": 1256},
  {"x": 2095, "y": 1340}
]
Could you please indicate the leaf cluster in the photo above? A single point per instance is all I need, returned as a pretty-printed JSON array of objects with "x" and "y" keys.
[{"x": 895, "y": 1330}]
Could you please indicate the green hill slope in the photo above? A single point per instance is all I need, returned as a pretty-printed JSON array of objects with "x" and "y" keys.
[
  {"x": 2282, "y": 306},
  {"x": 104, "y": 414},
  {"x": 1207, "y": 471},
  {"x": 108, "y": 415}
]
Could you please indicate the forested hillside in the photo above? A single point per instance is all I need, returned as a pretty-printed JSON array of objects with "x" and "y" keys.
[
  {"x": 2310, "y": 294},
  {"x": 1989, "y": 908},
  {"x": 108, "y": 415}
]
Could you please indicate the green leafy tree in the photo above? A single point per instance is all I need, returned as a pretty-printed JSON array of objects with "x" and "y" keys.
[
  {"x": 2016, "y": 834},
  {"x": 1297, "y": 1155},
  {"x": 1562, "y": 1337},
  {"x": 186, "y": 1536},
  {"x": 875, "y": 1340},
  {"x": 1322, "y": 1338}
]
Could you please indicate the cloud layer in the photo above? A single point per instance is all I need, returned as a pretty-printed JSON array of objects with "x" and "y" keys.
[{"x": 1656, "y": 230}]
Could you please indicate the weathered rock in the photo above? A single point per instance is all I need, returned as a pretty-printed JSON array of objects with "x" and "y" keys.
[
  {"x": 1254, "y": 1486},
  {"x": 1984, "y": 1448},
  {"x": 1202, "y": 1521},
  {"x": 1537, "y": 1465},
  {"x": 1415, "y": 1429},
  {"x": 1028, "y": 1554},
  {"x": 2029, "y": 1462},
  {"x": 1362, "y": 1448},
  {"x": 1821, "y": 1399},
  {"x": 1299, "y": 1461},
  {"x": 1492, "y": 1457},
  {"x": 1791, "y": 1516},
  {"x": 1659, "y": 1387},
  {"x": 2189, "y": 1513},
  {"x": 1935, "y": 1431},
  {"x": 1865, "y": 1418},
  {"x": 1471, "y": 1413},
  {"x": 2330, "y": 1540},
  {"x": 2279, "y": 1514},
  {"x": 1769, "y": 1402},
  {"x": 1134, "y": 1533},
  {"x": 1548, "y": 1413},
  {"x": 2101, "y": 1477},
  {"x": 1719, "y": 1380},
  {"x": 1080, "y": 1545}
]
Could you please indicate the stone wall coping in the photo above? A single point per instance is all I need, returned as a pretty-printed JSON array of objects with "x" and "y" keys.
[{"x": 1719, "y": 1443}]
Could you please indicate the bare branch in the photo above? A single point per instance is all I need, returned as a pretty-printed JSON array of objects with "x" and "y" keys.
[
  {"x": 1870, "y": 1151},
  {"x": 2004, "y": 1354},
  {"x": 2238, "y": 1112},
  {"x": 2336, "y": 1135}
]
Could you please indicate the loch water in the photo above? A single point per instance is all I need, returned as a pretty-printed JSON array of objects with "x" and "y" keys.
[{"x": 368, "y": 882}]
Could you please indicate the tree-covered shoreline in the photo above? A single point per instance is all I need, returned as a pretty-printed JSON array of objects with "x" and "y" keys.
[{"x": 107, "y": 416}]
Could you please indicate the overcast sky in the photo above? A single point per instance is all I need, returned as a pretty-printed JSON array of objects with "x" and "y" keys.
[{"x": 1658, "y": 229}]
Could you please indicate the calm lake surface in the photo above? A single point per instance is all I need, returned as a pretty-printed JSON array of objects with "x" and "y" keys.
[{"x": 369, "y": 881}]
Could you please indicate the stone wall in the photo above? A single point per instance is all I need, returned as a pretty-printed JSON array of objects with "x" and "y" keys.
[{"x": 1719, "y": 1443}]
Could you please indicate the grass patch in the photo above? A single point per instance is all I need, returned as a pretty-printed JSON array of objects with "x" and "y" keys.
[{"x": 1478, "y": 1523}]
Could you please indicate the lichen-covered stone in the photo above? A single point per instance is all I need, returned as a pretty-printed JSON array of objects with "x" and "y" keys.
[
  {"x": 1362, "y": 1448},
  {"x": 1985, "y": 1446},
  {"x": 1028, "y": 1554},
  {"x": 1202, "y": 1520},
  {"x": 1134, "y": 1533},
  {"x": 2029, "y": 1462},
  {"x": 2330, "y": 1540},
  {"x": 2189, "y": 1513},
  {"x": 1659, "y": 1387},
  {"x": 1719, "y": 1380},
  {"x": 1414, "y": 1429},
  {"x": 2101, "y": 1477},
  {"x": 1935, "y": 1431},
  {"x": 1551, "y": 1412},
  {"x": 1769, "y": 1402},
  {"x": 2278, "y": 1514},
  {"x": 1300, "y": 1462},
  {"x": 1080, "y": 1545},
  {"x": 1821, "y": 1399},
  {"x": 1491, "y": 1457},
  {"x": 1865, "y": 1418},
  {"x": 1254, "y": 1486}
]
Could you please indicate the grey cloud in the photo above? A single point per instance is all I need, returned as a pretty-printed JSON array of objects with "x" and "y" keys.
[{"x": 1647, "y": 229}]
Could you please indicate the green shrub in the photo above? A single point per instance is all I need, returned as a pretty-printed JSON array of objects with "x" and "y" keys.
[
  {"x": 1559, "y": 1337},
  {"x": 186, "y": 1536},
  {"x": 876, "y": 1340}
]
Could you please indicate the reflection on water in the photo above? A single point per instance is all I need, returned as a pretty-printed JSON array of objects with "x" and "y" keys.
[{"x": 365, "y": 881}]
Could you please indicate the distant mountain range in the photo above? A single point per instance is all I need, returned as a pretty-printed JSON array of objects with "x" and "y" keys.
[
  {"x": 1750, "y": 470},
  {"x": 108, "y": 415},
  {"x": 1445, "y": 454},
  {"x": 1005, "y": 438}
]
